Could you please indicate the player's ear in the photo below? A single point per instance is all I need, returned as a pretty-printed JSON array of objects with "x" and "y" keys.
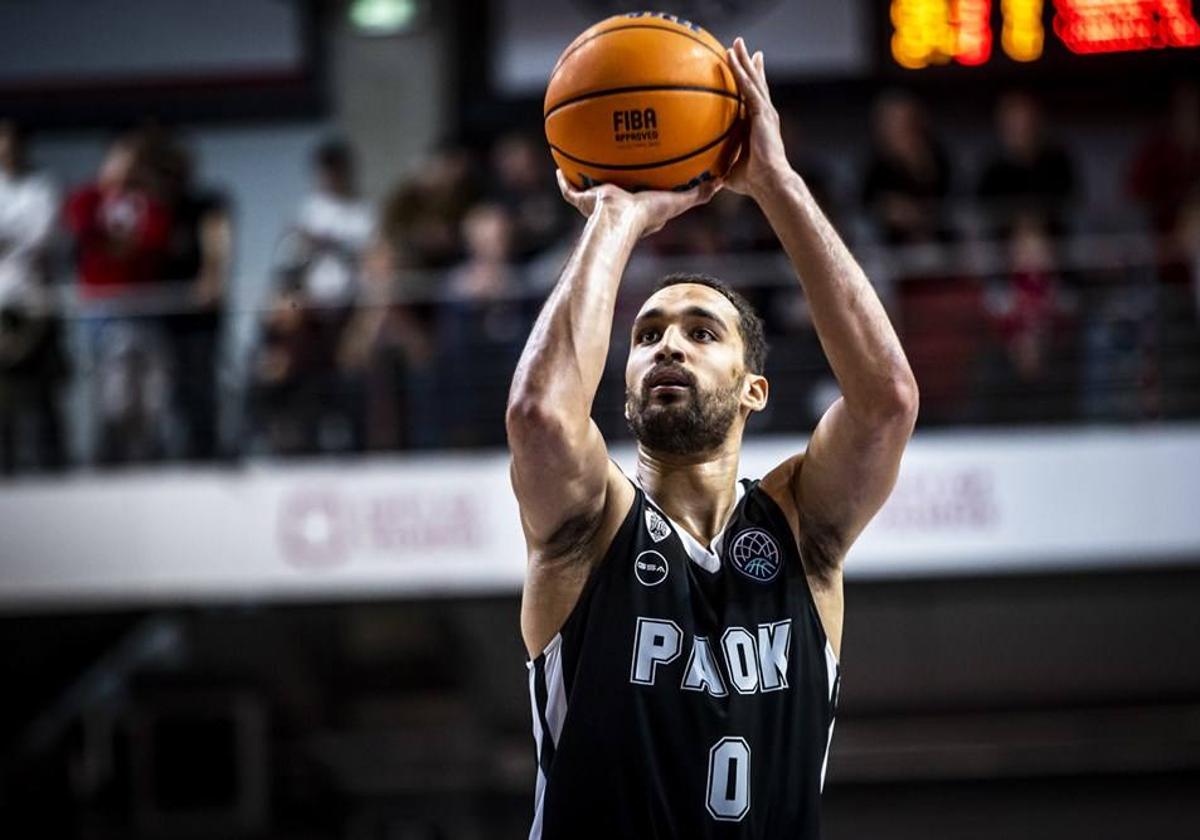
[{"x": 755, "y": 390}]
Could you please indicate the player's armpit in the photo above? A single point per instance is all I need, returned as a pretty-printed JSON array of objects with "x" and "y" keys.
[
  {"x": 833, "y": 490},
  {"x": 845, "y": 475},
  {"x": 559, "y": 569}
]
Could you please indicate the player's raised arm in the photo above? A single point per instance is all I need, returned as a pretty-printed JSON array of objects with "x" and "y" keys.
[
  {"x": 853, "y": 457},
  {"x": 560, "y": 464}
]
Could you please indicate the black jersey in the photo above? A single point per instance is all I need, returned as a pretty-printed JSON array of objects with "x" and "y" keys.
[{"x": 691, "y": 692}]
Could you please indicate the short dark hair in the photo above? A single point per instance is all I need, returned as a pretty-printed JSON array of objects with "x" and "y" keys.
[
  {"x": 334, "y": 155},
  {"x": 754, "y": 340},
  {"x": 19, "y": 137}
]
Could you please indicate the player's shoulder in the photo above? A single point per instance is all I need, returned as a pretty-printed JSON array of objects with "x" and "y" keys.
[
  {"x": 779, "y": 484},
  {"x": 619, "y": 499},
  {"x": 620, "y": 496}
]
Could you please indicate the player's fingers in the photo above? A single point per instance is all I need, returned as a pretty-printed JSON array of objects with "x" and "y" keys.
[
  {"x": 760, "y": 64},
  {"x": 710, "y": 188},
  {"x": 669, "y": 204},
  {"x": 748, "y": 65},
  {"x": 564, "y": 186},
  {"x": 703, "y": 193},
  {"x": 752, "y": 87},
  {"x": 754, "y": 64},
  {"x": 694, "y": 197},
  {"x": 735, "y": 64},
  {"x": 745, "y": 83}
]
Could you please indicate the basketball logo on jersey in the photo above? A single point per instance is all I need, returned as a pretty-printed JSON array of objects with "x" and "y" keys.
[
  {"x": 656, "y": 526},
  {"x": 650, "y": 568},
  {"x": 756, "y": 555}
]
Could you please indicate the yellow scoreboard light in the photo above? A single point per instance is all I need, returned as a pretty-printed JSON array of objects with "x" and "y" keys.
[
  {"x": 940, "y": 31},
  {"x": 1023, "y": 35},
  {"x": 923, "y": 33}
]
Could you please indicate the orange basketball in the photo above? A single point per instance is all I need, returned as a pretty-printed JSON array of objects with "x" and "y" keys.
[{"x": 645, "y": 101}]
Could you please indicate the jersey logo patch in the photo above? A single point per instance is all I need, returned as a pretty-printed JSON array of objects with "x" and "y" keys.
[
  {"x": 650, "y": 568},
  {"x": 756, "y": 555},
  {"x": 656, "y": 526}
]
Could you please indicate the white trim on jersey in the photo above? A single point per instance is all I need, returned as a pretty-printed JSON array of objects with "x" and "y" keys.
[
  {"x": 539, "y": 793},
  {"x": 556, "y": 689},
  {"x": 831, "y": 671},
  {"x": 555, "y": 714},
  {"x": 831, "y": 667},
  {"x": 706, "y": 557}
]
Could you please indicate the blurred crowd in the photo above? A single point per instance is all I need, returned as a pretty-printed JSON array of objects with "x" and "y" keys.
[
  {"x": 150, "y": 253},
  {"x": 395, "y": 324}
]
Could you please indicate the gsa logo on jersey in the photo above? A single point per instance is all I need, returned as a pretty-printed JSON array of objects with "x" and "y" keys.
[
  {"x": 756, "y": 555},
  {"x": 650, "y": 567}
]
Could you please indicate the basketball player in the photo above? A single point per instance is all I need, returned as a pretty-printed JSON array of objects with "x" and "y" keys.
[{"x": 684, "y": 627}]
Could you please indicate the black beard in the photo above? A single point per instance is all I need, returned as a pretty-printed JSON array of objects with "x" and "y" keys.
[{"x": 699, "y": 423}]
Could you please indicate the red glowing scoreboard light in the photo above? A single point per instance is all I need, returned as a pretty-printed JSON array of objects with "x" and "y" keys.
[{"x": 931, "y": 32}]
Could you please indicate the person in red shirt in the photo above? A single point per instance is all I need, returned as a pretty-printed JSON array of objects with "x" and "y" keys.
[{"x": 121, "y": 228}]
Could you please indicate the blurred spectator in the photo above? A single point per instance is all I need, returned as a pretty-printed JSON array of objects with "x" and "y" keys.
[
  {"x": 1186, "y": 244},
  {"x": 481, "y": 328},
  {"x": 905, "y": 191},
  {"x": 388, "y": 350},
  {"x": 121, "y": 226},
  {"x": 298, "y": 392},
  {"x": 197, "y": 260},
  {"x": 908, "y": 176},
  {"x": 524, "y": 186},
  {"x": 1028, "y": 310},
  {"x": 1165, "y": 171},
  {"x": 121, "y": 229},
  {"x": 288, "y": 374},
  {"x": 1175, "y": 376},
  {"x": 422, "y": 218},
  {"x": 333, "y": 226},
  {"x": 1164, "y": 178},
  {"x": 1121, "y": 338},
  {"x": 1028, "y": 172},
  {"x": 32, "y": 366}
]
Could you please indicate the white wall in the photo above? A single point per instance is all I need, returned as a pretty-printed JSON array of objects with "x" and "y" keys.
[{"x": 391, "y": 97}]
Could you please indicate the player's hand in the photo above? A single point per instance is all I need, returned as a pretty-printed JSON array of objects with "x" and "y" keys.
[
  {"x": 762, "y": 159},
  {"x": 649, "y": 209}
]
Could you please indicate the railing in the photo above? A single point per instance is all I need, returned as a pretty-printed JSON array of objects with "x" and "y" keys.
[{"x": 1090, "y": 329}]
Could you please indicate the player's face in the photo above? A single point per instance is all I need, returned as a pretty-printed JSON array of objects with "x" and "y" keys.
[{"x": 685, "y": 381}]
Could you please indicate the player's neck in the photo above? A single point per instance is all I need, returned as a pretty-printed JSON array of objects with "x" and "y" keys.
[{"x": 697, "y": 492}]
